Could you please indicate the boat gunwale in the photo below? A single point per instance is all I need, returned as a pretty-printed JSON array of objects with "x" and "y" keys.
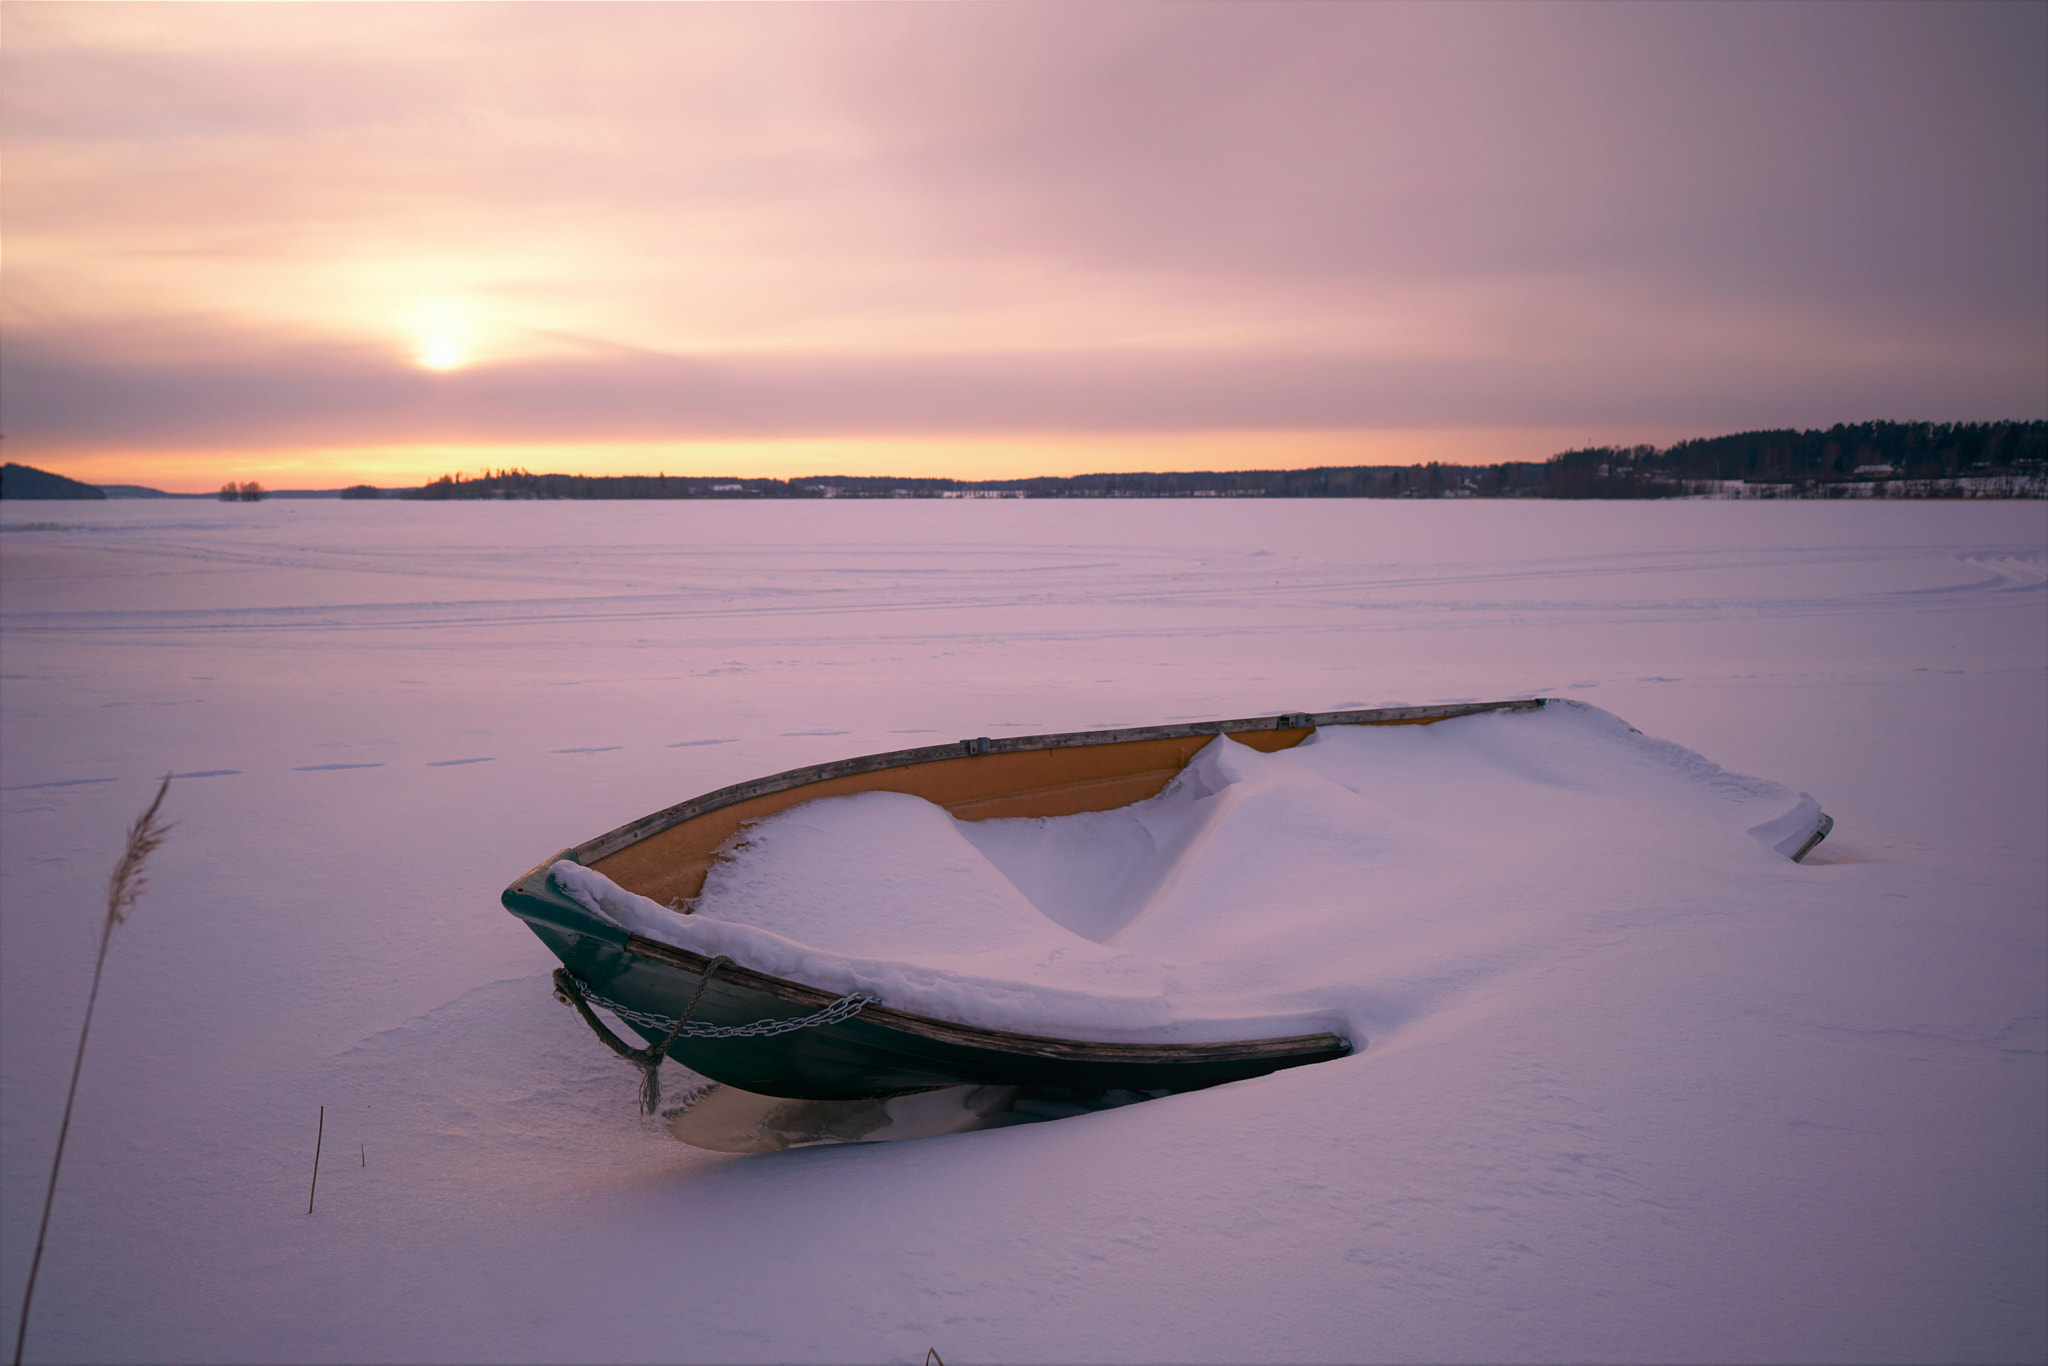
[{"x": 633, "y": 832}]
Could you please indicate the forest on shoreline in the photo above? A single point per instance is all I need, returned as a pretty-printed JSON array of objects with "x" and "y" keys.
[
  {"x": 1870, "y": 459},
  {"x": 1859, "y": 460}
]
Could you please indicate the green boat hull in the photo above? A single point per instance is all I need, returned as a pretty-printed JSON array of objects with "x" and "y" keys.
[{"x": 878, "y": 1052}]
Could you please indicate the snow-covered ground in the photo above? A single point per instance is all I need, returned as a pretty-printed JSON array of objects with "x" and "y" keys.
[{"x": 1687, "y": 1108}]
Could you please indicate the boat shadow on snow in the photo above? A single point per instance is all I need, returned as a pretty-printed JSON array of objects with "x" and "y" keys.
[{"x": 729, "y": 1120}]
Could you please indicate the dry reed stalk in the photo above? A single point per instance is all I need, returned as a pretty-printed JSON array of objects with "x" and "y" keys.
[
  {"x": 318, "y": 1135},
  {"x": 123, "y": 887}
]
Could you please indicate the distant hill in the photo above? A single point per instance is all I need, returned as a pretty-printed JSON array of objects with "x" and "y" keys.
[
  {"x": 138, "y": 491},
  {"x": 23, "y": 481}
]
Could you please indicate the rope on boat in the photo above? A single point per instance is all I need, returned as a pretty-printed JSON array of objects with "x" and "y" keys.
[
  {"x": 580, "y": 994},
  {"x": 845, "y": 1008}
]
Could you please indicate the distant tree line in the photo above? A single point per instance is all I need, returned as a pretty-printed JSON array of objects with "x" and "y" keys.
[
  {"x": 1816, "y": 462},
  {"x": 520, "y": 484},
  {"x": 1911, "y": 458},
  {"x": 1892, "y": 459},
  {"x": 1360, "y": 481}
]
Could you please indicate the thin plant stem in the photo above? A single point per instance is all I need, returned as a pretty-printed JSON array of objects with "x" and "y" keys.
[
  {"x": 318, "y": 1134},
  {"x": 123, "y": 887}
]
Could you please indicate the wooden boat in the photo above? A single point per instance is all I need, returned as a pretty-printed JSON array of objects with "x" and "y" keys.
[{"x": 776, "y": 1037}]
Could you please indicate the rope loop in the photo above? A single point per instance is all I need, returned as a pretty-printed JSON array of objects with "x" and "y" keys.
[
  {"x": 845, "y": 1008},
  {"x": 578, "y": 993}
]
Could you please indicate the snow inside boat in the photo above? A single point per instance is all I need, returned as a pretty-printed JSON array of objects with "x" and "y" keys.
[{"x": 777, "y": 1018}]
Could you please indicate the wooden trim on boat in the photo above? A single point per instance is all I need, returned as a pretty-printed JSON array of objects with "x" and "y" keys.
[{"x": 665, "y": 856}]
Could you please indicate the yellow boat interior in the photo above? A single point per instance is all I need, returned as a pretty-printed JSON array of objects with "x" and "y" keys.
[{"x": 666, "y": 856}]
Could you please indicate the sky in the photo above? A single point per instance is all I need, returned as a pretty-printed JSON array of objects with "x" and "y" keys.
[{"x": 321, "y": 244}]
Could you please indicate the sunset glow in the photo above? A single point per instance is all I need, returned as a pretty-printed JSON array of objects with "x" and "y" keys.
[
  {"x": 989, "y": 456},
  {"x": 344, "y": 242},
  {"x": 442, "y": 353}
]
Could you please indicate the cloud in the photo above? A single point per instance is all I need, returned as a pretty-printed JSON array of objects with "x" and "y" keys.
[
  {"x": 237, "y": 222},
  {"x": 339, "y": 397}
]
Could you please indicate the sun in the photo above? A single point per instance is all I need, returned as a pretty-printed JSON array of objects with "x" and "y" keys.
[{"x": 442, "y": 353}]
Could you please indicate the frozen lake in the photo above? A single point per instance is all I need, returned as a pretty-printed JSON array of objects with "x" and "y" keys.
[{"x": 1791, "y": 1114}]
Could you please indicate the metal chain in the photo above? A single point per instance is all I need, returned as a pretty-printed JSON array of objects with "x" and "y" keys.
[{"x": 845, "y": 1008}]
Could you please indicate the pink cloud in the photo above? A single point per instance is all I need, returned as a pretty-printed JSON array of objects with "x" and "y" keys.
[{"x": 226, "y": 223}]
